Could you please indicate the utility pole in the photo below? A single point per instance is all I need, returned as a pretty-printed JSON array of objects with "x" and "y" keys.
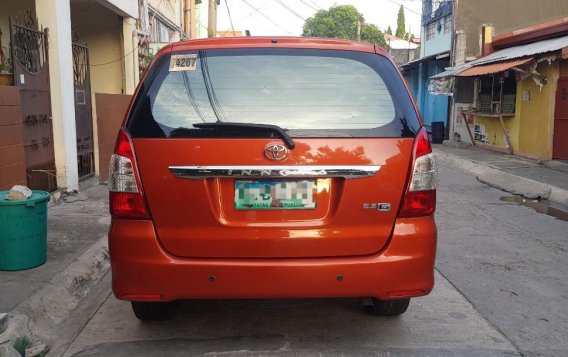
[
  {"x": 186, "y": 19},
  {"x": 192, "y": 24},
  {"x": 189, "y": 19},
  {"x": 359, "y": 30},
  {"x": 212, "y": 19}
]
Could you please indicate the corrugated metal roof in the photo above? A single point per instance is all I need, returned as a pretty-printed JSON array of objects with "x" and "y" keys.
[
  {"x": 491, "y": 68},
  {"x": 511, "y": 53},
  {"x": 418, "y": 60},
  {"x": 450, "y": 72}
]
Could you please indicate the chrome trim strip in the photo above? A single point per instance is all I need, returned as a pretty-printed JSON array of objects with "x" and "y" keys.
[{"x": 203, "y": 172}]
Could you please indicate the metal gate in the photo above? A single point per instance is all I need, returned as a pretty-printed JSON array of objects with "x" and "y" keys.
[
  {"x": 83, "y": 111},
  {"x": 29, "y": 46},
  {"x": 559, "y": 141}
]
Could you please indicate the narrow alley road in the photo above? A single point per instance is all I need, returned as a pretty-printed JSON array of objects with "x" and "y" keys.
[
  {"x": 508, "y": 260},
  {"x": 500, "y": 291}
]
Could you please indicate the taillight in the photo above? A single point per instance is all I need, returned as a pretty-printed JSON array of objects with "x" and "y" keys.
[
  {"x": 420, "y": 197},
  {"x": 126, "y": 200}
]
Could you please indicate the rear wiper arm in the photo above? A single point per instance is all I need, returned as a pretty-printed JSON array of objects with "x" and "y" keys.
[{"x": 251, "y": 126}]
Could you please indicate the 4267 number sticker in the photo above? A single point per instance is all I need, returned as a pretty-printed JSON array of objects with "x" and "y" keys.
[{"x": 183, "y": 62}]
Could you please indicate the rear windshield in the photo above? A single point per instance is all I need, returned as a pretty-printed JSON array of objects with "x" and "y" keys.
[{"x": 306, "y": 92}]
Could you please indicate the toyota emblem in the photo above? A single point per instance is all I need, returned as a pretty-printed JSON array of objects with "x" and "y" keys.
[{"x": 275, "y": 151}]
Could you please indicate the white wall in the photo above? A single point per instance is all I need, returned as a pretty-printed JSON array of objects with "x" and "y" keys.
[
  {"x": 124, "y": 8},
  {"x": 56, "y": 15}
]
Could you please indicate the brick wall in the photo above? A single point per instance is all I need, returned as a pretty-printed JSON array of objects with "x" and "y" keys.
[
  {"x": 110, "y": 109},
  {"x": 12, "y": 159}
]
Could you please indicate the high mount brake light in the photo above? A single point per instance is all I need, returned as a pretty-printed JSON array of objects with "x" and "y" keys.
[
  {"x": 420, "y": 197},
  {"x": 126, "y": 200}
]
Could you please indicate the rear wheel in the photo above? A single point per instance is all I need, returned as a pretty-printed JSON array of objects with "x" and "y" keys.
[
  {"x": 152, "y": 311},
  {"x": 392, "y": 307}
]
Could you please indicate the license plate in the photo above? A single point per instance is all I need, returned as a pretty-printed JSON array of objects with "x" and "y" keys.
[{"x": 272, "y": 194}]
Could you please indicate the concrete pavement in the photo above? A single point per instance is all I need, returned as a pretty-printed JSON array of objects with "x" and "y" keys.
[
  {"x": 41, "y": 301},
  {"x": 441, "y": 324},
  {"x": 508, "y": 260},
  {"x": 514, "y": 174}
]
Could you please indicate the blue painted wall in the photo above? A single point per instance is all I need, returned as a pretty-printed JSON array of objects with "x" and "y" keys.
[
  {"x": 441, "y": 43},
  {"x": 413, "y": 81},
  {"x": 433, "y": 107},
  {"x": 436, "y": 16}
]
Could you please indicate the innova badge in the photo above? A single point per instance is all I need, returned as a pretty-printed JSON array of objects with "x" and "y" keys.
[{"x": 275, "y": 151}]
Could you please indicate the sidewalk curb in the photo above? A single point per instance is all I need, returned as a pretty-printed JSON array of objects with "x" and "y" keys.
[
  {"x": 37, "y": 317},
  {"x": 505, "y": 181}
]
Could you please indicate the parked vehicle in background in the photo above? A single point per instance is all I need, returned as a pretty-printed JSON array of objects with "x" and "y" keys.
[{"x": 272, "y": 168}]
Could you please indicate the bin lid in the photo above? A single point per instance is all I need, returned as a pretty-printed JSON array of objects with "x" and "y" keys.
[{"x": 36, "y": 197}]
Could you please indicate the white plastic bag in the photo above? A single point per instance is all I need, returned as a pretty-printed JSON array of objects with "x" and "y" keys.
[{"x": 19, "y": 192}]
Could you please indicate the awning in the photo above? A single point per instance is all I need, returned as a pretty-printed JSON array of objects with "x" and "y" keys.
[
  {"x": 450, "y": 72},
  {"x": 416, "y": 62},
  {"x": 514, "y": 53},
  {"x": 491, "y": 68}
]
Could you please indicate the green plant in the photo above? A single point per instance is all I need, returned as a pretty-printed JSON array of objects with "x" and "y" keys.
[{"x": 149, "y": 57}]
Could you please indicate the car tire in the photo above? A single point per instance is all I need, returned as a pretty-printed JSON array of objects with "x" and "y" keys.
[
  {"x": 152, "y": 311},
  {"x": 392, "y": 307}
]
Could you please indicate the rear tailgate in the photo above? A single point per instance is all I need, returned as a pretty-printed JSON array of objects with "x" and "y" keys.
[{"x": 199, "y": 218}]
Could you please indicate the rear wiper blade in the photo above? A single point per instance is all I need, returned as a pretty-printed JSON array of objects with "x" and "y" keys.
[{"x": 251, "y": 126}]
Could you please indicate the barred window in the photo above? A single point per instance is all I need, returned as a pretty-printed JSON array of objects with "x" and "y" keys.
[
  {"x": 497, "y": 93},
  {"x": 447, "y": 20},
  {"x": 431, "y": 30}
]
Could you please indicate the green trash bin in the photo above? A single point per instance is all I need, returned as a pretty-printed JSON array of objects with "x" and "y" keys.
[{"x": 23, "y": 231}]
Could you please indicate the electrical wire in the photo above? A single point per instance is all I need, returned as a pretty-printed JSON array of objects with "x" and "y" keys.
[
  {"x": 316, "y": 4},
  {"x": 251, "y": 15},
  {"x": 290, "y": 10},
  {"x": 215, "y": 105},
  {"x": 252, "y": 12},
  {"x": 134, "y": 49},
  {"x": 257, "y": 8},
  {"x": 308, "y": 5},
  {"x": 266, "y": 17},
  {"x": 192, "y": 98},
  {"x": 406, "y": 8},
  {"x": 230, "y": 18},
  {"x": 116, "y": 60}
]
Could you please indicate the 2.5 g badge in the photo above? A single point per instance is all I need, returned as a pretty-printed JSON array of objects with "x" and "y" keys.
[{"x": 183, "y": 62}]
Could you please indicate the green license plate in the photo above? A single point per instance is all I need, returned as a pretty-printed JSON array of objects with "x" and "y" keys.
[{"x": 271, "y": 194}]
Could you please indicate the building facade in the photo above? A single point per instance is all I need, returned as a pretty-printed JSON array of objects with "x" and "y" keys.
[
  {"x": 401, "y": 50},
  {"x": 484, "y": 27},
  {"x": 519, "y": 103},
  {"x": 521, "y": 109},
  {"x": 162, "y": 21},
  {"x": 59, "y": 54},
  {"x": 67, "y": 71},
  {"x": 436, "y": 46}
]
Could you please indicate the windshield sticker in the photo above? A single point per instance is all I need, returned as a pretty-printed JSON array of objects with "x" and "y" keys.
[{"x": 183, "y": 63}]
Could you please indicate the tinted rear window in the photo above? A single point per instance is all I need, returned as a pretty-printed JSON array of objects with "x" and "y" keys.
[{"x": 307, "y": 92}]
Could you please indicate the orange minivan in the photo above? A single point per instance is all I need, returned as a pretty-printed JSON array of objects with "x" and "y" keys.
[{"x": 272, "y": 168}]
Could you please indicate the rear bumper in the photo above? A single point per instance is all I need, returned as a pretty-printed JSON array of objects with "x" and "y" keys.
[{"x": 143, "y": 271}]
